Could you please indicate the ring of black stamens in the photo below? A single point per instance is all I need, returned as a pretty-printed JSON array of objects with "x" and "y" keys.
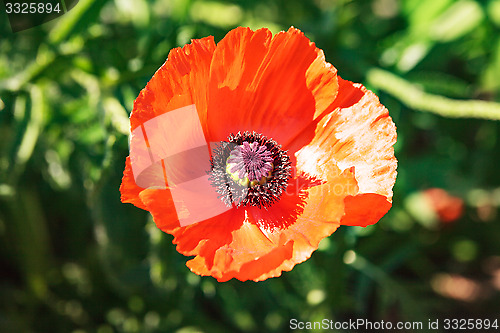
[{"x": 260, "y": 195}]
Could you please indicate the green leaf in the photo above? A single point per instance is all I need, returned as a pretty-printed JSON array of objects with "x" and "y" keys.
[{"x": 459, "y": 19}]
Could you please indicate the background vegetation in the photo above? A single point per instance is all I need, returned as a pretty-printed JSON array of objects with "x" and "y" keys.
[{"x": 75, "y": 259}]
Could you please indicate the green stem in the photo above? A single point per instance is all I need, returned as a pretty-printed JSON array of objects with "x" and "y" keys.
[{"x": 414, "y": 97}]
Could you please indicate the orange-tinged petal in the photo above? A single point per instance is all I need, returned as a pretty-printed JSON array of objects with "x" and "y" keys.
[
  {"x": 321, "y": 216},
  {"x": 269, "y": 265},
  {"x": 129, "y": 189},
  {"x": 365, "y": 209},
  {"x": 205, "y": 237},
  {"x": 192, "y": 238},
  {"x": 183, "y": 77},
  {"x": 178, "y": 83},
  {"x": 365, "y": 135},
  {"x": 160, "y": 204},
  {"x": 272, "y": 85},
  {"x": 359, "y": 133},
  {"x": 260, "y": 249}
]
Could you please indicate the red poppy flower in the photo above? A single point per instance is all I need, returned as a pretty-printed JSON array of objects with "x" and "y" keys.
[
  {"x": 448, "y": 208},
  {"x": 261, "y": 152}
]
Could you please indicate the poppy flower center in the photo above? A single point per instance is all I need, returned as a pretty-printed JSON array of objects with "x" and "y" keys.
[
  {"x": 250, "y": 164},
  {"x": 249, "y": 170}
]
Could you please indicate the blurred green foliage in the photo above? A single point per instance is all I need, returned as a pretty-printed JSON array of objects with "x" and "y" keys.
[{"x": 75, "y": 259}]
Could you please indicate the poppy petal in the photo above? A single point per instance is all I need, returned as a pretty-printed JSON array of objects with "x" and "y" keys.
[
  {"x": 179, "y": 82},
  {"x": 129, "y": 189},
  {"x": 258, "y": 250},
  {"x": 365, "y": 209},
  {"x": 160, "y": 204},
  {"x": 321, "y": 217},
  {"x": 359, "y": 134},
  {"x": 255, "y": 75},
  {"x": 365, "y": 137}
]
